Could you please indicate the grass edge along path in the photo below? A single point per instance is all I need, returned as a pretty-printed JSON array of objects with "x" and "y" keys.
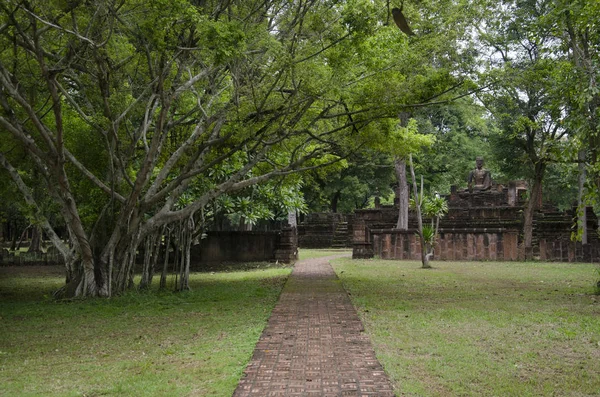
[
  {"x": 305, "y": 253},
  {"x": 141, "y": 344},
  {"x": 480, "y": 328}
]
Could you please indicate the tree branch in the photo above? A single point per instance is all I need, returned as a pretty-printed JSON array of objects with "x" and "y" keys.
[{"x": 26, "y": 192}]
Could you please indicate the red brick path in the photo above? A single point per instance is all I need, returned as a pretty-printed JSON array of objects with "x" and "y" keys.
[{"x": 314, "y": 343}]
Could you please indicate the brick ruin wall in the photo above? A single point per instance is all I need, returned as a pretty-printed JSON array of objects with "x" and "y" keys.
[
  {"x": 217, "y": 247},
  {"x": 325, "y": 230},
  {"x": 486, "y": 226},
  {"x": 464, "y": 245},
  {"x": 246, "y": 246}
]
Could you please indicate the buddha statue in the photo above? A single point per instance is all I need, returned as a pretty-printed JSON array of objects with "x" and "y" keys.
[{"x": 479, "y": 178}]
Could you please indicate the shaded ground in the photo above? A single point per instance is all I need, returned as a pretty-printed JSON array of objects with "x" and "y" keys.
[{"x": 193, "y": 343}]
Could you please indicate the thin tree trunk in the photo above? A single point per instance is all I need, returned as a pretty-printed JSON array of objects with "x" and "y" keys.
[
  {"x": 163, "y": 275},
  {"x": 177, "y": 252},
  {"x": 148, "y": 248},
  {"x": 533, "y": 205},
  {"x": 155, "y": 256},
  {"x": 244, "y": 226},
  {"x": 186, "y": 245},
  {"x": 583, "y": 61},
  {"x": 400, "y": 168},
  {"x": 424, "y": 249},
  {"x": 23, "y": 236},
  {"x": 581, "y": 211}
]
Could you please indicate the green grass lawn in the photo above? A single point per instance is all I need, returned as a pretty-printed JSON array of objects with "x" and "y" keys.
[
  {"x": 481, "y": 328},
  {"x": 142, "y": 344},
  {"x": 305, "y": 253}
]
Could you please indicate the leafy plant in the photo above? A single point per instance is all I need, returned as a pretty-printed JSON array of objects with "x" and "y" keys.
[
  {"x": 429, "y": 235},
  {"x": 435, "y": 206}
]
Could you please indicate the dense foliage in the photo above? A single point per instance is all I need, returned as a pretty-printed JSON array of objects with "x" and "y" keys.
[{"x": 143, "y": 122}]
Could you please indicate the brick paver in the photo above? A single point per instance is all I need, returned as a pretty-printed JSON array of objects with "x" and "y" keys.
[{"x": 314, "y": 343}]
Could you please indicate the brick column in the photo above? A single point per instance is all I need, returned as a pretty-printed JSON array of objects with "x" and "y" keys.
[
  {"x": 362, "y": 248},
  {"x": 287, "y": 249}
]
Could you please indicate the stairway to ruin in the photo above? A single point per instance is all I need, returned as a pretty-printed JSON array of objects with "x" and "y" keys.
[{"x": 340, "y": 236}]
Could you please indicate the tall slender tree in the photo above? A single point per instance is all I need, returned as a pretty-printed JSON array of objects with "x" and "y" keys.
[{"x": 524, "y": 99}]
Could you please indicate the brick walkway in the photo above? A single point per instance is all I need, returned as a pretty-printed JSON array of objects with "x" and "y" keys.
[{"x": 314, "y": 344}]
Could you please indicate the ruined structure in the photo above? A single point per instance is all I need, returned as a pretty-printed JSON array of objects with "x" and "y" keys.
[
  {"x": 484, "y": 222},
  {"x": 325, "y": 230},
  {"x": 246, "y": 246}
]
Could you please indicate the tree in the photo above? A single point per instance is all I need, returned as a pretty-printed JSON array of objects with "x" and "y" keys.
[
  {"x": 525, "y": 101},
  {"x": 406, "y": 141},
  {"x": 140, "y": 115},
  {"x": 169, "y": 97},
  {"x": 350, "y": 184},
  {"x": 461, "y": 129},
  {"x": 435, "y": 207},
  {"x": 272, "y": 200},
  {"x": 437, "y": 73},
  {"x": 426, "y": 236},
  {"x": 573, "y": 25}
]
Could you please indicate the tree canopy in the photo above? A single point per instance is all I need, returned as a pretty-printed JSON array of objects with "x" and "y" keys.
[{"x": 132, "y": 119}]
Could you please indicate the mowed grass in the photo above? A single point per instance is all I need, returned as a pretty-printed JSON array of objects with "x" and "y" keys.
[
  {"x": 305, "y": 253},
  {"x": 195, "y": 343},
  {"x": 481, "y": 328}
]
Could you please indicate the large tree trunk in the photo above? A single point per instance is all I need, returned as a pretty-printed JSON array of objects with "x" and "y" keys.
[
  {"x": 534, "y": 203},
  {"x": 335, "y": 200},
  {"x": 91, "y": 279},
  {"x": 35, "y": 244},
  {"x": 400, "y": 168},
  {"x": 292, "y": 219}
]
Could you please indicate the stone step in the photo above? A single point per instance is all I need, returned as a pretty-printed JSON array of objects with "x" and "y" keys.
[{"x": 340, "y": 238}]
